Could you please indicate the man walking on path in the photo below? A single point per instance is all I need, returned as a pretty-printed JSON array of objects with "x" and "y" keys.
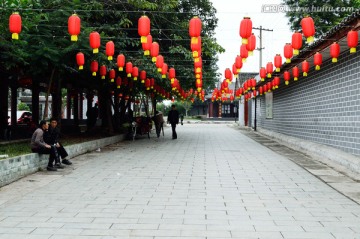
[{"x": 173, "y": 118}]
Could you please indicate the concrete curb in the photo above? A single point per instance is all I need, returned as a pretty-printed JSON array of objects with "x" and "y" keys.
[
  {"x": 341, "y": 161},
  {"x": 12, "y": 169}
]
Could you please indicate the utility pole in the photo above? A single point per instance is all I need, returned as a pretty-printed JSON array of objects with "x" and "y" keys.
[{"x": 260, "y": 61}]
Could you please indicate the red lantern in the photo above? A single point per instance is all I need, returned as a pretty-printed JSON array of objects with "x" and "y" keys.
[
  {"x": 254, "y": 93},
  {"x": 110, "y": 50},
  {"x": 143, "y": 28},
  {"x": 128, "y": 68},
  {"x": 277, "y": 62},
  {"x": 243, "y": 52},
  {"x": 94, "y": 67},
  {"x": 334, "y": 51},
  {"x": 15, "y": 25},
  {"x": 251, "y": 44},
  {"x": 172, "y": 74},
  {"x": 296, "y": 42},
  {"x": 305, "y": 67},
  {"x": 196, "y": 47},
  {"x": 295, "y": 72},
  {"x": 262, "y": 73},
  {"x": 234, "y": 69},
  {"x": 269, "y": 69},
  {"x": 95, "y": 41},
  {"x": 152, "y": 83},
  {"x": 238, "y": 63},
  {"x": 80, "y": 60},
  {"x": 276, "y": 82},
  {"x": 112, "y": 75},
  {"x": 135, "y": 73},
  {"x": 121, "y": 62},
  {"x": 147, "y": 46},
  {"x": 143, "y": 76},
  {"x": 286, "y": 77},
  {"x": 308, "y": 28},
  {"x": 154, "y": 51},
  {"x": 194, "y": 29},
  {"x": 317, "y": 60},
  {"x": 147, "y": 84},
  {"x": 164, "y": 70},
  {"x": 159, "y": 62},
  {"x": 245, "y": 29},
  {"x": 265, "y": 88},
  {"x": 228, "y": 75},
  {"x": 74, "y": 24},
  {"x": 261, "y": 90},
  {"x": 103, "y": 72},
  {"x": 352, "y": 40},
  {"x": 288, "y": 52},
  {"x": 118, "y": 82},
  {"x": 253, "y": 83}
]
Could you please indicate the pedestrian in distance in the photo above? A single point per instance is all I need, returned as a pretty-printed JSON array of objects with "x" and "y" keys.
[
  {"x": 173, "y": 119},
  {"x": 92, "y": 115},
  {"x": 38, "y": 145},
  {"x": 181, "y": 119},
  {"x": 52, "y": 137}
]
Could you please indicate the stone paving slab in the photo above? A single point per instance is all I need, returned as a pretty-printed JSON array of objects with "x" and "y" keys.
[{"x": 212, "y": 182}]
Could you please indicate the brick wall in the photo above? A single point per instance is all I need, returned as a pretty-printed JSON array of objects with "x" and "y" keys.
[{"x": 323, "y": 107}]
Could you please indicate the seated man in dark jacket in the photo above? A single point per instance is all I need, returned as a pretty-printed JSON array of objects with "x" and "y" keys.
[{"x": 52, "y": 137}]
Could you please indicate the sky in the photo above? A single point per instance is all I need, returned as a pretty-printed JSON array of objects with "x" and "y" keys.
[{"x": 230, "y": 13}]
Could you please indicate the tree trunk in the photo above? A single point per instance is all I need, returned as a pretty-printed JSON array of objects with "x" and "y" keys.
[{"x": 47, "y": 95}]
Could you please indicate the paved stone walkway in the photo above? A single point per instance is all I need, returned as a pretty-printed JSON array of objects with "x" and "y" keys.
[{"x": 212, "y": 182}]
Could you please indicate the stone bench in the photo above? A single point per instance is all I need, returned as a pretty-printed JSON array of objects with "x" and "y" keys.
[{"x": 14, "y": 168}]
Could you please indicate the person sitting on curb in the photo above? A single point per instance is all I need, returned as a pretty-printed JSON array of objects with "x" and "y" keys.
[
  {"x": 38, "y": 145},
  {"x": 51, "y": 137}
]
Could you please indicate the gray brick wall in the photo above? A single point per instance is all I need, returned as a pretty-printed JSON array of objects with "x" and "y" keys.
[{"x": 323, "y": 107}]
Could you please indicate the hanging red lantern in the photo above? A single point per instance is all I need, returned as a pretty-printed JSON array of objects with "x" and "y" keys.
[
  {"x": 276, "y": 82},
  {"x": 254, "y": 93},
  {"x": 94, "y": 67},
  {"x": 164, "y": 70},
  {"x": 334, "y": 51},
  {"x": 308, "y": 28},
  {"x": 352, "y": 40},
  {"x": 74, "y": 25},
  {"x": 265, "y": 88},
  {"x": 103, "y": 71},
  {"x": 261, "y": 90},
  {"x": 234, "y": 70},
  {"x": 121, "y": 62},
  {"x": 95, "y": 41},
  {"x": 159, "y": 62},
  {"x": 135, "y": 73},
  {"x": 110, "y": 50},
  {"x": 238, "y": 63},
  {"x": 253, "y": 83},
  {"x": 317, "y": 60},
  {"x": 196, "y": 47},
  {"x": 143, "y": 28},
  {"x": 305, "y": 67},
  {"x": 15, "y": 25},
  {"x": 245, "y": 29},
  {"x": 269, "y": 69},
  {"x": 152, "y": 83},
  {"x": 243, "y": 52},
  {"x": 277, "y": 62},
  {"x": 129, "y": 68},
  {"x": 118, "y": 82},
  {"x": 194, "y": 29},
  {"x": 296, "y": 42},
  {"x": 295, "y": 72},
  {"x": 80, "y": 60},
  {"x": 251, "y": 44},
  {"x": 288, "y": 52},
  {"x": 286, "y": 77},
  {"x": 154, "y": 51},
  {"x": 228, "y": 75},
  {"x": 172, "y": 74},
  {"x": 147, "y": 84},
  {"x": 143, "y": 76},
  {"x": 112, "y": 75},
  {"x": 147, "y": 46},
  {"x": 262, "y": 73}
]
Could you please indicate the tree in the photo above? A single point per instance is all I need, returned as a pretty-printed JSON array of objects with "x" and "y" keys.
[{"x": 325, "y": 13}]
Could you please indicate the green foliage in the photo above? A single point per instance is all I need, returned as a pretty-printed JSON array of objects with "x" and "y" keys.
[
  {"x": 23, "y": 106},
  {"x": 324, "y": 13}
]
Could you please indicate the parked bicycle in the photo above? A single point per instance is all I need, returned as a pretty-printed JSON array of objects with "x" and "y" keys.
[{"x": 140, "y": 126}]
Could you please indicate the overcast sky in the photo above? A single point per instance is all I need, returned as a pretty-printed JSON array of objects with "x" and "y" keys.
[{"x": 230, "y": 13}]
